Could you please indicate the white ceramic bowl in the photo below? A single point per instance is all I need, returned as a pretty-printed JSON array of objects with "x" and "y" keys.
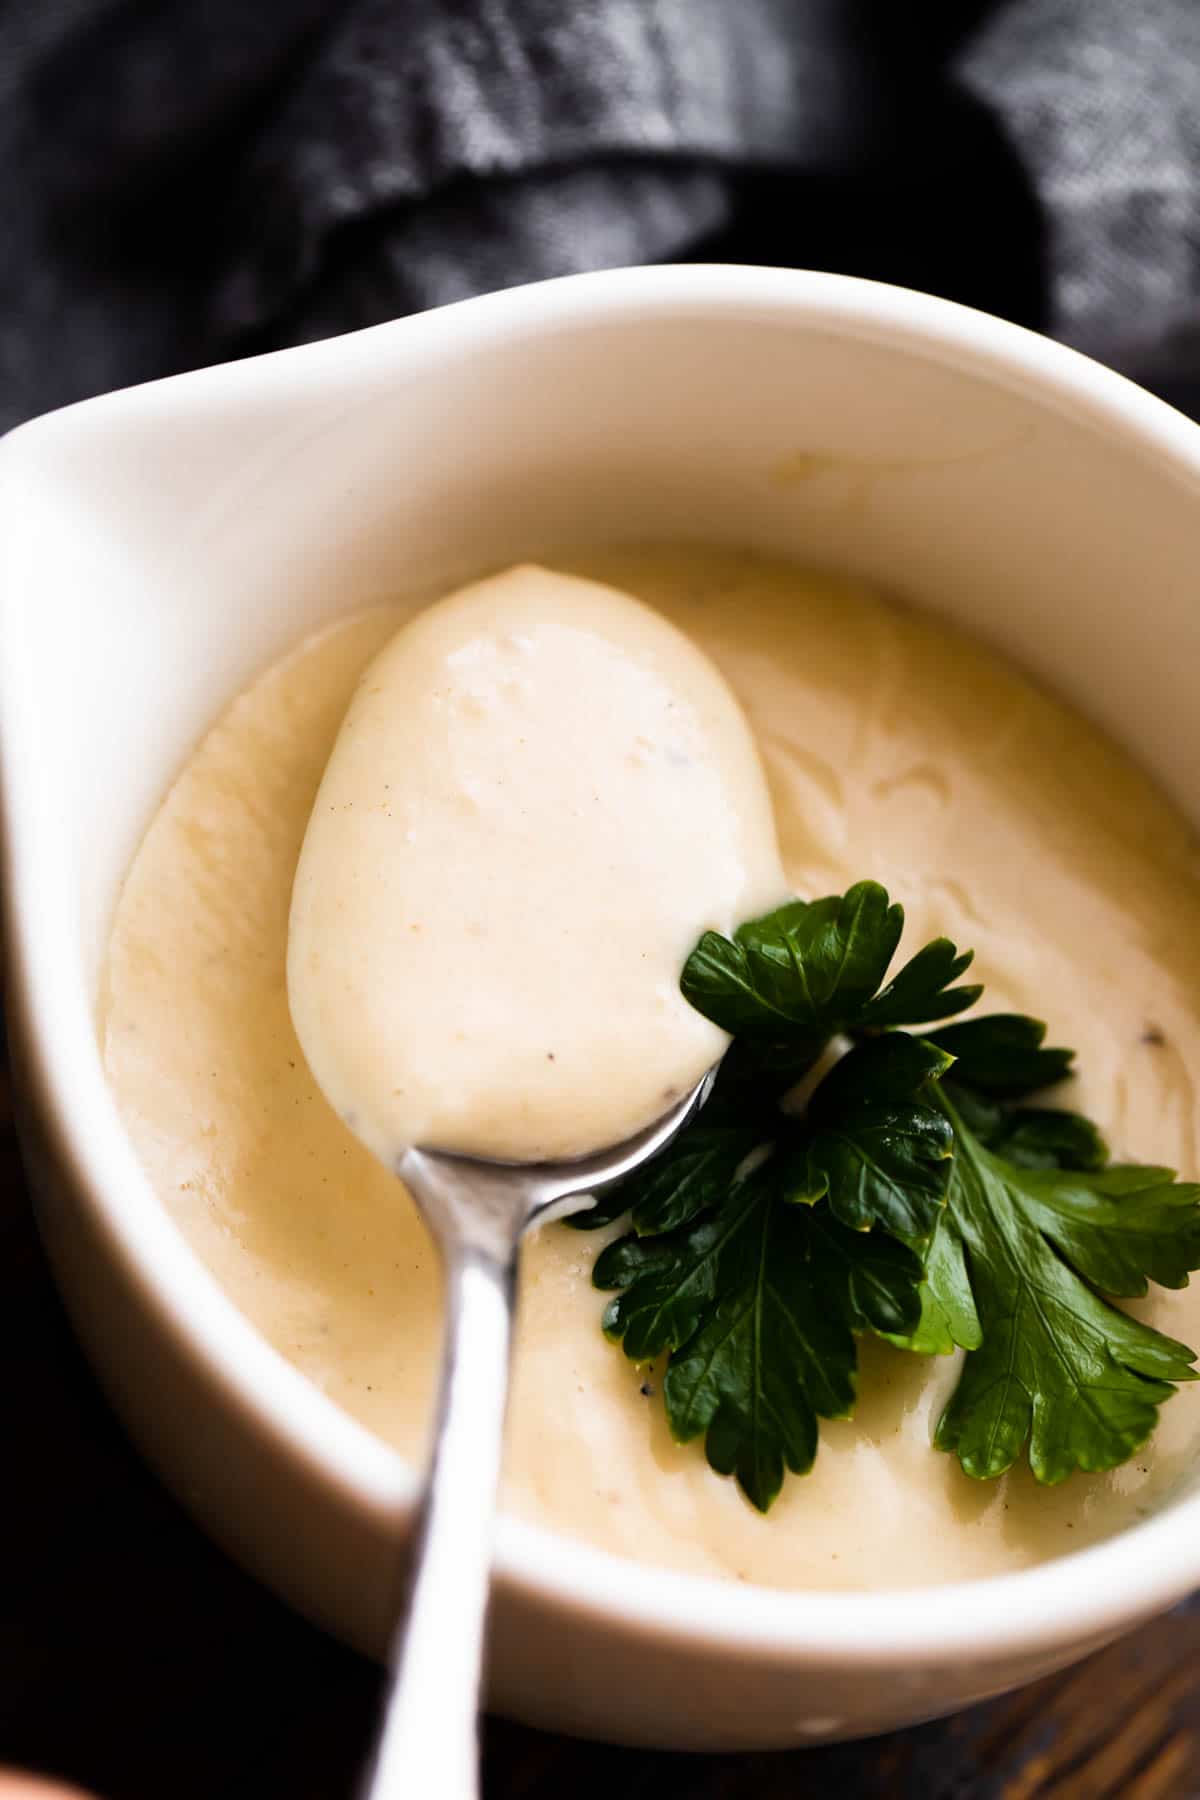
[{"x": 157, "y": 547}]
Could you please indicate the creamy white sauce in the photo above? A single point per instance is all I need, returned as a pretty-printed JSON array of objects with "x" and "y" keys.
[
  {"x": 894, "y": 749},
  {"x": 542, "y": 793}
]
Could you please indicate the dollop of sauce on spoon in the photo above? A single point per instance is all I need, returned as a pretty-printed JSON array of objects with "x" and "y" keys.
[{"x": 542, "y": 793}]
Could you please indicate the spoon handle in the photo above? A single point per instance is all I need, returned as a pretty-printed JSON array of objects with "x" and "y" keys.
[{"x": 428, "y": 1744}]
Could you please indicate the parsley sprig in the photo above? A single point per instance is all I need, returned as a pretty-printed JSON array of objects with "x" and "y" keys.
[{"x": 913, "y": 1195}]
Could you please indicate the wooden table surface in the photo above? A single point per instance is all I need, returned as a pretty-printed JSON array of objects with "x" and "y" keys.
[{"x": 140, "y": 1662}]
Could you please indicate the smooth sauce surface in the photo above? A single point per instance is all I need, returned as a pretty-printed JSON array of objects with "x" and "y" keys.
[
  {"x": 541, "y": 795},
  {"x": 893, "y": 750}
]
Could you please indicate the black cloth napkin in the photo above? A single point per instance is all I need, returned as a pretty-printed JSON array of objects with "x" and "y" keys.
[{"x": 189, "y": 180}]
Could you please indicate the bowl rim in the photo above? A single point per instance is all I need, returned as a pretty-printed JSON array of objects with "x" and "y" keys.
[{"x": 1089, "y": 1593}]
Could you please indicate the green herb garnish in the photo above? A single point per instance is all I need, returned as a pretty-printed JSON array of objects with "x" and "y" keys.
[{"x": 912, "y": 1195}]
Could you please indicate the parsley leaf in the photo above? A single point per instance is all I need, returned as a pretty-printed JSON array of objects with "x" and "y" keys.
[
  {"x": 880, "y": 1155},
  {"x": 1002, "y": 1056},
  {"x": 693, "y": 1173},
  {"x": 1058, "y": 1368},
  {"x": 741, "y": 1113},
  {"x": 948, "y": 1318},
  {"x": 788, "y": 982},
  {"x": 906, "y": 1192},
  {"x": 922, "y": 991},
  {"x": 798, "y": 975},
  {"x": 760, "y": 1301},
  {"x": 1033, "y": 1137},
  {"x": 758, "y": 1298}
]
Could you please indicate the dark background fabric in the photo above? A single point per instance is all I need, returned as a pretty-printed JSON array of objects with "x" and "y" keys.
[{"x": 190, "y": 180}]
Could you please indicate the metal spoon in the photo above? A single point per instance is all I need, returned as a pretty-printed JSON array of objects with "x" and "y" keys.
[{"x": 478, "y": 1211}]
